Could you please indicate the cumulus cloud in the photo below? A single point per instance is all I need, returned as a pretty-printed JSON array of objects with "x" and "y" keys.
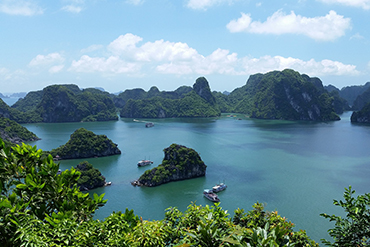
[
  {"x": 73, "y": 6},
  {"x": 127, "y": 56},
  {"x": 365, "y": 4},
  {"x": 72, "y": 9},
  {"x": 135, "y": 2},
  {"x": 112, "y": 64},
  {"x": 204, "y": 4},
  {"x": 56, "y": 69},
  {"x": 41, "y": 60},
  {"x": 321, "y": 28},
  {"x": 310, "y": 67},
  {"x": 20, "y": 7},
  {"x": 124, "y": 44},
  {"x": 92, "y": 48}
]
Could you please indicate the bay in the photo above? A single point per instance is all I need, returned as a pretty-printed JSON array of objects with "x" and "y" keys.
[{"x": 296, "y": 168}]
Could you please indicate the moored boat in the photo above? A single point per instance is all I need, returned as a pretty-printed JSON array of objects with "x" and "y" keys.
[
  {"x": 144, "y": 162},
  {"x": 219, "y": 187},
  {"x": 210, "y": 195}
]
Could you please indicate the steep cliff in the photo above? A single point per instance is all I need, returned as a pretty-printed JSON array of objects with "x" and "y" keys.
[
  {"x": 85, "y": 144},
  {"x": 179, "y": 163}
]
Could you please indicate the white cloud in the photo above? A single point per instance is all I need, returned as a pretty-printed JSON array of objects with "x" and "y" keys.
[
  {"x": 311, "y": 67},
  {"x": 72, "y": 8},
  {"x": 165, "y": 51},
  {"x": 365, "y": 4},
  {"x": 56, "y": 69},
  {"x": 356, "y": 36},
  {"x": 92, "y": 48},
  {"x": 43, "y": 60},
  {"x": 204, "y": 4},
  {"x": 135, "y": 2},
  {"x": 124, "y": 43},
  {"x": 20, "y": 7},
  {"x": 321, "y": 28},
  {"x": 112, "y": 64},
  {"x": 165, "y": 57}
]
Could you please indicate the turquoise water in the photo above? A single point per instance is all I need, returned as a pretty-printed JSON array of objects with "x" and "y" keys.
[{"x": 297, "y": 168}]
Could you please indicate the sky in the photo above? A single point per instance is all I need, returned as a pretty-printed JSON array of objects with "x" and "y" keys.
[{"x": 125, "y": 44}]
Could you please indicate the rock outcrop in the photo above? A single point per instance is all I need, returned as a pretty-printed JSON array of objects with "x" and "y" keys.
[
  {"x": 179, "y": 163},
  {"x": 85, "y": 144}
]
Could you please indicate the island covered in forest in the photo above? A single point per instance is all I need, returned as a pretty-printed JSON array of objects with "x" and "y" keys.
[
  {"x": 85, "y": 144},
  {"x": 179, "y": 163}
]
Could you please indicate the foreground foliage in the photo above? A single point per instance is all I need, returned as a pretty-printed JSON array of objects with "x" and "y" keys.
[
  {"x": 39, "y": 207},
  {"x": 354, "y": 229}
]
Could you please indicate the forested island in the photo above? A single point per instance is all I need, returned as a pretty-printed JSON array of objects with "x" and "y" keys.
[
  {"x": 85, "y": 144},
  {"x": 13, "y": 133},
  {"x": 285, "y": 94},
  {"x": 179, "y": 163},
  {"x": 90, "y": 178}
]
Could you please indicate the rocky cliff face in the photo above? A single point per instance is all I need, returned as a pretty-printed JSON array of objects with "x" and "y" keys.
[
  {"x": 179, "y": 163},
  {"x": 201, "y": 87}
]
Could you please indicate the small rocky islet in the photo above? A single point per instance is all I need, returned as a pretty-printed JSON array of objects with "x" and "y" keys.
[{"x": 179, "y": 163}]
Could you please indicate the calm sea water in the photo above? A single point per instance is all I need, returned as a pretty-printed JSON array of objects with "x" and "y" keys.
[{"x": 297, "y": 168}]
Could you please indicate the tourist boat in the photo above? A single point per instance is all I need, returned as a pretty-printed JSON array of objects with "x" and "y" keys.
[
  {"x": 219, "y": 187},
  {"x": 210, "y": 195},
  {"x": 148, "y": 125},
  {"x": 144, "y": 162}
]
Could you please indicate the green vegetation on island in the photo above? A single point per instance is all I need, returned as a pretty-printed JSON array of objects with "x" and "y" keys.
[
  {"x": 283, "y": 95},
  {"x": 39, "y": 207},
  {"x": 14, "y": 133},
  {"x": 179, "y": 163},
  {"x": 90, "y": 178},
  {"x": 184, "y": 102},
  {"x": 85, "y": 144},
  {"x": 66, "y": 103},
  {"x": 361, "y": 116}
]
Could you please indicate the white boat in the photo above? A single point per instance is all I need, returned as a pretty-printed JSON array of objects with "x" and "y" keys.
[
  {"x": 219, "y": 187},
  {"x": 210, "y": 195},
  {"x": 144, "y": 162},
  {"x": 148, "y": 125}
]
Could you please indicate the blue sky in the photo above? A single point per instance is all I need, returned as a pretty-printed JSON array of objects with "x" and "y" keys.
[{"x": 124, "y": 44}]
